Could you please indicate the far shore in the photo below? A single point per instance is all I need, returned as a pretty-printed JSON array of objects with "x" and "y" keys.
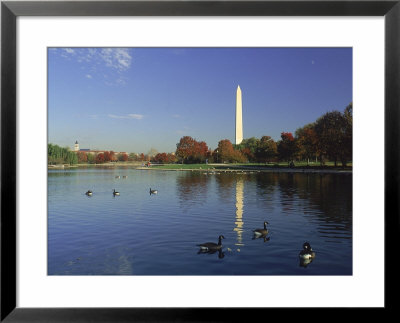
[
  {"x": 125, "y": 164},
  {"x": 213, "y": 168}
]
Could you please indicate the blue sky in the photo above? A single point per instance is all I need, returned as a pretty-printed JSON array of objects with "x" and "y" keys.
[{"x": 135, "y": 99}]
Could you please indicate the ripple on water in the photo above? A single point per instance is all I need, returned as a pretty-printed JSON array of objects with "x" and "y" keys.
[{"x": 141, "y": 234}]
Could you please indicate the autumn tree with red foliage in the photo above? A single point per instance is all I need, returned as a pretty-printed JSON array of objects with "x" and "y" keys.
[
  {"x": 107, "y": 156},
  {"x": 226, "y": 152},
  {"x": 247, "y": 153},
  {"x": 200, "y": 151},
  {"x": 122, "y": 157},
  {"x": 185, "y": 147},
  {"x": 100, "y": 158},
  {"x": 82, "y": 157},
  {"x": 113, "y": 156},
  {"x": 160, "y": 158},
  {"x": 307, "y": 142},
  {"x": 172, "y": 158},
  {"x": 190, "y": 150}
]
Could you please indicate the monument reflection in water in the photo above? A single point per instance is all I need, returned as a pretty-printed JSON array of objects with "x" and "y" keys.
[
  {"x": 239, "y": 212},
  {"x": 141, "y": 234}
]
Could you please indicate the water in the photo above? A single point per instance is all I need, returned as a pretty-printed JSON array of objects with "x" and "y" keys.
[{"x": 141, "y": 234}]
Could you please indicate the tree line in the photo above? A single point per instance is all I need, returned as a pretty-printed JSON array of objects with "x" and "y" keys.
[
  {"x": 60, "y": 155},
  {"x": 63, "y": 155},
  {"x": 329, "y": 138}
]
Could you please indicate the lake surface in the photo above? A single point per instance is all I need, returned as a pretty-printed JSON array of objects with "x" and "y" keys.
[{"x": 141, "y": 234}]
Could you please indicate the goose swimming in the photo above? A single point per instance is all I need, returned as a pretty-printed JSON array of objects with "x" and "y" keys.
[
  {"x": 211, "y": 245},
  {"x": 261, "y": 232}
]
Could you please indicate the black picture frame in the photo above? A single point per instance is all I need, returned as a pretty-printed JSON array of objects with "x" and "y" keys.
[{"x": 10, "y": 10}]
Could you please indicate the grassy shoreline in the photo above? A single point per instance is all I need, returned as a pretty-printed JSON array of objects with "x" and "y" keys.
[{"x": 248, "y": 167}]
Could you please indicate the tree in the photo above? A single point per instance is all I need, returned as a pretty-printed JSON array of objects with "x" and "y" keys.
[
  {"x": 238, "y": 157},
  {"x": 133, "y": 157},
  {"x": 247, "y": 153},
  {"x": 287, "y": 147},
  {"x": 107, "y": 156},
  {"x": 71, "y": 158},
  {"x": 161, "y": 158},
  {"x": 113, "y": 156},
  {"x": 82, "y": 157},
  {"x": 307, "y": 142},
  {"x": 171, "y": 158},
  {"x": 122, "y": 157},
  {"x": 59, "y": 155},
  {"x": 91, "y": 158},
  {"x": 334, "y": 135},
  {"x": 248, "y": 147},
  {"x": 200, "y": 151},
  {"x": 185, "y": 147},
  {"x": 190, "y": 150},
  {"x": 100, "y": 158},
  {"x": 226, "y": 152},
  {"x": 347, "y": 152},
  {"x": 266, "y": 149}
]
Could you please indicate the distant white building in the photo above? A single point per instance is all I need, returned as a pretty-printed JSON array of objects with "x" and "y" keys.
[
  {"x": 94, "y": 152},
  {"x": 76, "y": 146}
]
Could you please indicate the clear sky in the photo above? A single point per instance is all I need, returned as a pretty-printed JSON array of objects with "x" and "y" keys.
[{"x": 135, "y": 99}]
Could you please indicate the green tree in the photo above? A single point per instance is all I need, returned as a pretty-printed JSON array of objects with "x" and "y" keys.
[
  {"x": 347, "y": 152},
  {"x": 133, "y": 157},
  {"x": 91, "y": 158},
  {"x": 287, "y": 147},
  {"x": 266, "y": 149},
  {"x": 334, "y": 136},
  {"x": 60, "y": 155},
  {"x": 248, "y": 147}
]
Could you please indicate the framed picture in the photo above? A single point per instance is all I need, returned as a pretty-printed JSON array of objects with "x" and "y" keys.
[{"x": 45, "y": 273}]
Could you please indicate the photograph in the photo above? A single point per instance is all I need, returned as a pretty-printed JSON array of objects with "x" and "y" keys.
[
  {"x": 199, "y": 161},
  {"x": 196, "y": 160}
]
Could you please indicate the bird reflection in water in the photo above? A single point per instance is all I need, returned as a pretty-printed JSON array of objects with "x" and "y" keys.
[
  {"x": 305, "y": 262},
  {"x": 221, "y": 254},
  {"x": 264, "y": 237}
]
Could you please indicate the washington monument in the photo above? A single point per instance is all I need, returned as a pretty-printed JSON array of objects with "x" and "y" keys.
[{"x": 239, "y": 122}]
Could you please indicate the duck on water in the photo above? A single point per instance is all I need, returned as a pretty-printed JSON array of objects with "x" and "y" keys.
[
  {"x": 307, "y": 252},
  {"x": 211, "y": 246},
  {"x": 306, "y": 255},
  {"x": 258, "y": 233}
]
